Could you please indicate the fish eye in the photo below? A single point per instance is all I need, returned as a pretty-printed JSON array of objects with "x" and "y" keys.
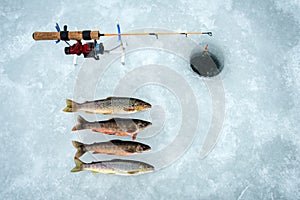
[{"x": 135, "y": 104}]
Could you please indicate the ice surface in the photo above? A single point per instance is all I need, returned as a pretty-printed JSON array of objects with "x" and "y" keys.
[{"x": 257, "y": 156}]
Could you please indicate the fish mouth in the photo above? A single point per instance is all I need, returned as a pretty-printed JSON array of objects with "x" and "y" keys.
[
  {"x": 149, "y": 168},
  {"x": 147, "y": 106},
  {"x": 141, "y": 108},
  {"x": 144, "y": 125},
  {"x": 146, "y": 148},
  {"x": 144, "y": 106}
]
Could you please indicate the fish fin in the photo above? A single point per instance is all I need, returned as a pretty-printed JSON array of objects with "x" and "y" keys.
[
  {"x": 115, "y": 142},
  {"x": 134, "y": 136},
  {"x": 95, "y": 130},
  {"x": 129, "y": 109},
  {"x": 110, "y": 97},
  {"x": 133, "y": 172},
  {"x": 78, "y": 165},
  {"x": 100, "y": 131},
  {"x": 121, "y": 134},
  {"x": 81, "y": 122},
  {"x": 107, "y": 113},
  {"x": 88, "y": 112},
  {"x": 71, "y": 106},
  {"x": 129, "y": 150},
  {"x": 105, "y": 132},
  {"x": 80, "y": 148}
]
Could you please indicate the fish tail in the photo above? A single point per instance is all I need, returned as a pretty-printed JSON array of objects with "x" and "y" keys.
[
  {"x": 78, "y": 165},
  {"x": 81, "y": 123},
  {"x": 80, "y": 148},
  {"x": 71, "y": 106}
]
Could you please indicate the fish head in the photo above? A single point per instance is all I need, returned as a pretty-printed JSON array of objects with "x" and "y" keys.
[
  {"x": 142, "y": 148},
  {"x": 144, "y": 168},
  {"x": 142, "y": 124},
  {"x": 140, "y": 105}
]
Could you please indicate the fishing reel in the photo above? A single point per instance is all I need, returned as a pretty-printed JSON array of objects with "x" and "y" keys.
[{"x": 89, "y": 50}]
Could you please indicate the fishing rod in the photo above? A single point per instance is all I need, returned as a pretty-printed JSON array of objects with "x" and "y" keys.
[
  {"x": 93, "y": 49},
  {"x": 157, "y": 33},
  {"x": 66, "y": 35}
]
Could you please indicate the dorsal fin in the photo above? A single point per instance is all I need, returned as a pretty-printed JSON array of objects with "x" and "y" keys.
[{"x": 116, "y": 141}]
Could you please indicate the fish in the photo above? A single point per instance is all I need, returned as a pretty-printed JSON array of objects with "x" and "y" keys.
[
  {"x": 113, "y": 147},
  {"x": 115, "y": 166},
  {"x": 113, "y": 126},
  {"x": 110, "y": 105}
]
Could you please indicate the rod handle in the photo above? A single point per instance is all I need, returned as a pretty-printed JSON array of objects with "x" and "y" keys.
[{"x": 67, "y": 35}]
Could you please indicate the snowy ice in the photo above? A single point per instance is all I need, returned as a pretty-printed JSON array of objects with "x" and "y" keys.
[{"x": 257, "y": 154}]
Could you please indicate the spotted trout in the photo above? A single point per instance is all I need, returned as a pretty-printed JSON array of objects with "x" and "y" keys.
[
  {"x": 113, "y": 147},
  {"x": 110, "y": 105},
  {"x": 113, "y": 126},
  {"x": 115, "y": 166}
]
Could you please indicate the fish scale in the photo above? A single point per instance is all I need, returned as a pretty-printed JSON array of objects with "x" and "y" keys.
[
  {"x": 116, "y": 166},
  {"x": 113, "y": 126},
  {"x": 115, "y": 147},
  {"x": 110, "y": 105}
]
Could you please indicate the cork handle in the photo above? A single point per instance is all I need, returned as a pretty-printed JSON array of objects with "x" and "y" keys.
[
  {"x": 72, "y": 35},
  {"x": 46, "y": 35}
]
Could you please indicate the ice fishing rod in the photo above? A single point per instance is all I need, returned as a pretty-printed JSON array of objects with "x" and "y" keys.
[
  {"x": 93, "y": 49},
  {"x": 66, "y": 35},
  {"x": 157, "y": 33}
]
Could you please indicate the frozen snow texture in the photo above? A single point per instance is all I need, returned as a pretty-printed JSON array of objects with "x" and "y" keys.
[{"x": 257, "y": 156}]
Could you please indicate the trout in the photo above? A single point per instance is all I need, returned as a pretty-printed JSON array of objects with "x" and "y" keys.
[
  {"x": 115, "y": 166},
  {"x": 113, "y": 126},
  {"x": 110, "y": 105},
  {"x": 113, "y": 147}
]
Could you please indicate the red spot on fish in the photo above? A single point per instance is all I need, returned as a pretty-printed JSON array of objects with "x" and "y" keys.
[{"x": 134, "y": 136}]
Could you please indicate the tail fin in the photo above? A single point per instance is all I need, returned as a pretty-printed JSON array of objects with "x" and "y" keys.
[
  {"x": 80, "y": 148},
  {"x": 71, "y": 106},
  {"x": 78, "y": 165},
  {"x": 81, "y": 123}
]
